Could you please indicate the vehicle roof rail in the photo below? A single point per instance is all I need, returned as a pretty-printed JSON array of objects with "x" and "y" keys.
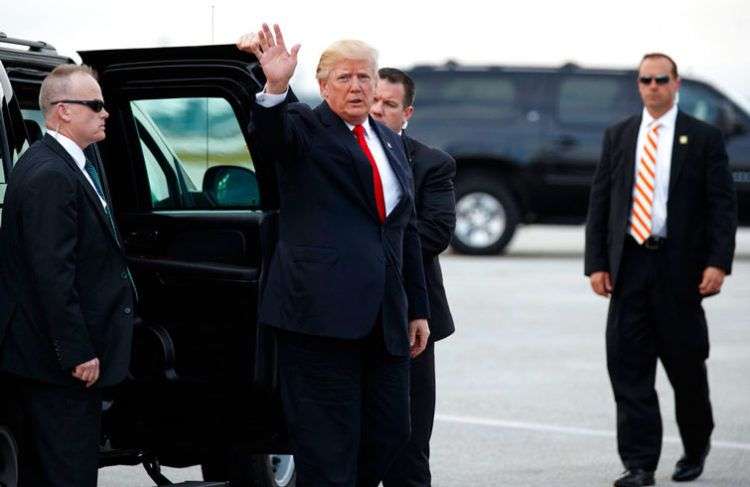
[{"x": 34, "y": 46}]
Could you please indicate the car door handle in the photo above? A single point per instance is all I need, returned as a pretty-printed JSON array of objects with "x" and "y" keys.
[{"x": 142, "y": 238}]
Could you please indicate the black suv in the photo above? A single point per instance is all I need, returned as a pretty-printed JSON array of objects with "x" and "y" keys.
[
  {"x": 197, "y": 212},
  {"x": 527, "y": 140}
]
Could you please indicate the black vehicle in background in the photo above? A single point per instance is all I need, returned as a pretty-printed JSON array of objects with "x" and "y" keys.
[
  {"x": 196, "y": 210},
  {"x": 527, "y": 140}
]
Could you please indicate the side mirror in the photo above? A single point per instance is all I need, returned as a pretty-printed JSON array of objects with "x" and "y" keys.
[{"x": 231, "y": 187}]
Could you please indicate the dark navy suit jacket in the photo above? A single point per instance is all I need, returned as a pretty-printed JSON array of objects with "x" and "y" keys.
[
  {"x": 336, "y": 269},
  {"x": 65, "y": 297}
]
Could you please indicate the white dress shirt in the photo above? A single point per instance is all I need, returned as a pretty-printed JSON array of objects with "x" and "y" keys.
[
  {"x": 78, "y": 156},
  {"x": 391, "y": 186},
  {"x": 663, "y": 165}
]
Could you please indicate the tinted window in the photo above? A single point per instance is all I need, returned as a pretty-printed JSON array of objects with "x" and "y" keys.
[
  {"x": 468, "y": 95},
  {"x": 181, "y": 140},
  {"x": 702, "y": 103},
  {"x": 594, "y": 100}
]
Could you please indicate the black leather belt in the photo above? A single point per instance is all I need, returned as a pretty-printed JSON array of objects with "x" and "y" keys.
[
  {"x": 651, "y": 243},
  {"x": 654, "y": 243}
]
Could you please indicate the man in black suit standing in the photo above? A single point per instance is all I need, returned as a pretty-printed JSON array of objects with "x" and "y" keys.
[
  {"x": 66, "y": 287},
  {"x": 345, "y": 286},
  {"x": 659, "y": 238},
  {"x": 434, "y": 171}
]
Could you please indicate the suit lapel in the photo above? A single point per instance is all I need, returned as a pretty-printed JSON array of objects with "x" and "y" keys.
[
  {"x": 630, "y": 148},
  {"x": 361, "y": 165},
  {"x": 679, "y": 149},
  {"x": 393, "y": 157},
  {"x": 409, "y": 149},
  {"x": 91, "y": 194}
]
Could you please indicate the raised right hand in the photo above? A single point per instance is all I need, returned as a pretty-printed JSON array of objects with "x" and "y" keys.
[
  {"x": 601, "y": 283},
  {"x": 278, "y": 64}
]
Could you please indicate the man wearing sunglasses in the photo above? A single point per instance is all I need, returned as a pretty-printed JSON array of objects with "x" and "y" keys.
[
  {"x": 660, "y": 238},
  {"x": 62, "y": 269}
]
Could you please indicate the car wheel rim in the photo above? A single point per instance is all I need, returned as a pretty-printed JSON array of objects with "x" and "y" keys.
[
  {"x": 480, "y": 220},
  {"x": 283, "y": 469}
]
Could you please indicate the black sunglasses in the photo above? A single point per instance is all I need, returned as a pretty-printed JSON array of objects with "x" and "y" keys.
[
  {"x": 660, "y": 80},
  {"x": 96, "y": 105}
]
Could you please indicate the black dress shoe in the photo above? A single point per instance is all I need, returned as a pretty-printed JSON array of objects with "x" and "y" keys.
[
  {"x": 690, "y": 468},
  {"x": 635, "y": 477}
]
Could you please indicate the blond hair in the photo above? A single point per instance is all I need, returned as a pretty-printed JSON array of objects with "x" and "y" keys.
[
  {"x": 342, "y": 50},
  {"x": 57, "y": 84}
]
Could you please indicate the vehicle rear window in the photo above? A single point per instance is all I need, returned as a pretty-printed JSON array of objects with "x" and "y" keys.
[
  {"x": 594, "y": 100},
  {"x": 461, "y": 95}
]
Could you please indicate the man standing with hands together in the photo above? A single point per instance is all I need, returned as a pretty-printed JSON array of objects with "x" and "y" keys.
[{"x": 67, "y": 291}]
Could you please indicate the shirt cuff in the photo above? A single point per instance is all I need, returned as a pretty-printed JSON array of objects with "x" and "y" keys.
[{"x": 268, "y": 100}]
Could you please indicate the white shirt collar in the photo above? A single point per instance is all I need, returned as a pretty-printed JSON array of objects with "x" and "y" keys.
[
  {"x": 365, "y": 124},
  {"x": 71, "y": 147},
  {"x": 668, "y": 120}
]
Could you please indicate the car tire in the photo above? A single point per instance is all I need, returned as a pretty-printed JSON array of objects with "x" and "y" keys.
[
  {"x": 487, "y": 215},
  {"x": 8, "y": 459},
  {"x": 242, "y": 470}
]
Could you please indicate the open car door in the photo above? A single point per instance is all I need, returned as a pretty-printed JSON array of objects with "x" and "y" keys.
[{"x": 195, "y": 205}]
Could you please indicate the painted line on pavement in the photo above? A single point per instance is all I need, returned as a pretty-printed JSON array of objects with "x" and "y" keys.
[{"x": 551, "y": 428}]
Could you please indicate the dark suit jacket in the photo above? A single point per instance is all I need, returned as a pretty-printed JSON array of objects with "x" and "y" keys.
[
  {"x": 335, "y": 266},
  {"x": 64, "y": 289},
  {"x": 434, "y": 171},
  {"x": 701, "y": 206}
]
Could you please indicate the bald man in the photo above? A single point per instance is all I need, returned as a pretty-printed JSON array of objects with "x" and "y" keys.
[{"x": 69, "y": 295}]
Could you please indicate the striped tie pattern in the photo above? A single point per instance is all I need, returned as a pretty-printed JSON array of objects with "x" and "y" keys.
[{"x": 644, "y": 188}]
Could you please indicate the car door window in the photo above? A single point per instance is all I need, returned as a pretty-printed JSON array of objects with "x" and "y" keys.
[
  {"x": 593, "y": 100},
  {"x": 469, "y": 96},
  {"x": 702, "y": 103},
  {"x": 195, "y": 154}
]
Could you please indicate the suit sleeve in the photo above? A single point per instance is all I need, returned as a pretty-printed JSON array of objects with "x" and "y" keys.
[
  {"x": 596, "y": 258},
  {"x": 274, "y": 130},
  {"x": 721, "y": 205},
  {"x": 49, "y": 236},
  {"x": 437, "y": 207},
  {"x": 414, "y": 281}
]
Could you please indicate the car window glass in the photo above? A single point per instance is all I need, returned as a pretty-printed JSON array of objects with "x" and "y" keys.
[
  {"x": 35, "y": 119},
  {"x": 157, "y": 179},
  {"x": 593, "y": 100},
  {"x": 193, "y": 148},
  {"x": 701, "y": 102},
  {"x": 474, "y": 95}
]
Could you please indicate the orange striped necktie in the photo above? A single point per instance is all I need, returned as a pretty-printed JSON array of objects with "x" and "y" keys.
[{"x": 641, "y": 215}]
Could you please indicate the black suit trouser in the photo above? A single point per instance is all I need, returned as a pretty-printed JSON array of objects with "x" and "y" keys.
[
  {"x": 58, "y": 430},
  {"x": 647, "y": 316},
  {"x": 346, "y": 404},
  {"x": 412, "y": 466}
]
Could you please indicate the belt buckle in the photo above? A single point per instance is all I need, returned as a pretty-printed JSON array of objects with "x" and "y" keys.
[{"x": 652, "y": 243}]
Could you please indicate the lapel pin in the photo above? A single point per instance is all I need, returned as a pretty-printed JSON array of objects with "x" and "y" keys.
[
  {"x": 389, "y": 145},
  {"x": 683, "y": 139}
]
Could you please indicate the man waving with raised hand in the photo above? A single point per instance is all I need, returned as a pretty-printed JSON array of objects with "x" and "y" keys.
[{"x": 346, "y": 289}]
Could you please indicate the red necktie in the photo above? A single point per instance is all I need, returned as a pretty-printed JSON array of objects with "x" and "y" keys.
[{"x": 377, "y": 184}]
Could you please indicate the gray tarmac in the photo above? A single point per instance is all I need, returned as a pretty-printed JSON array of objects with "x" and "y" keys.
[{"x": 523, "y": 394}]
